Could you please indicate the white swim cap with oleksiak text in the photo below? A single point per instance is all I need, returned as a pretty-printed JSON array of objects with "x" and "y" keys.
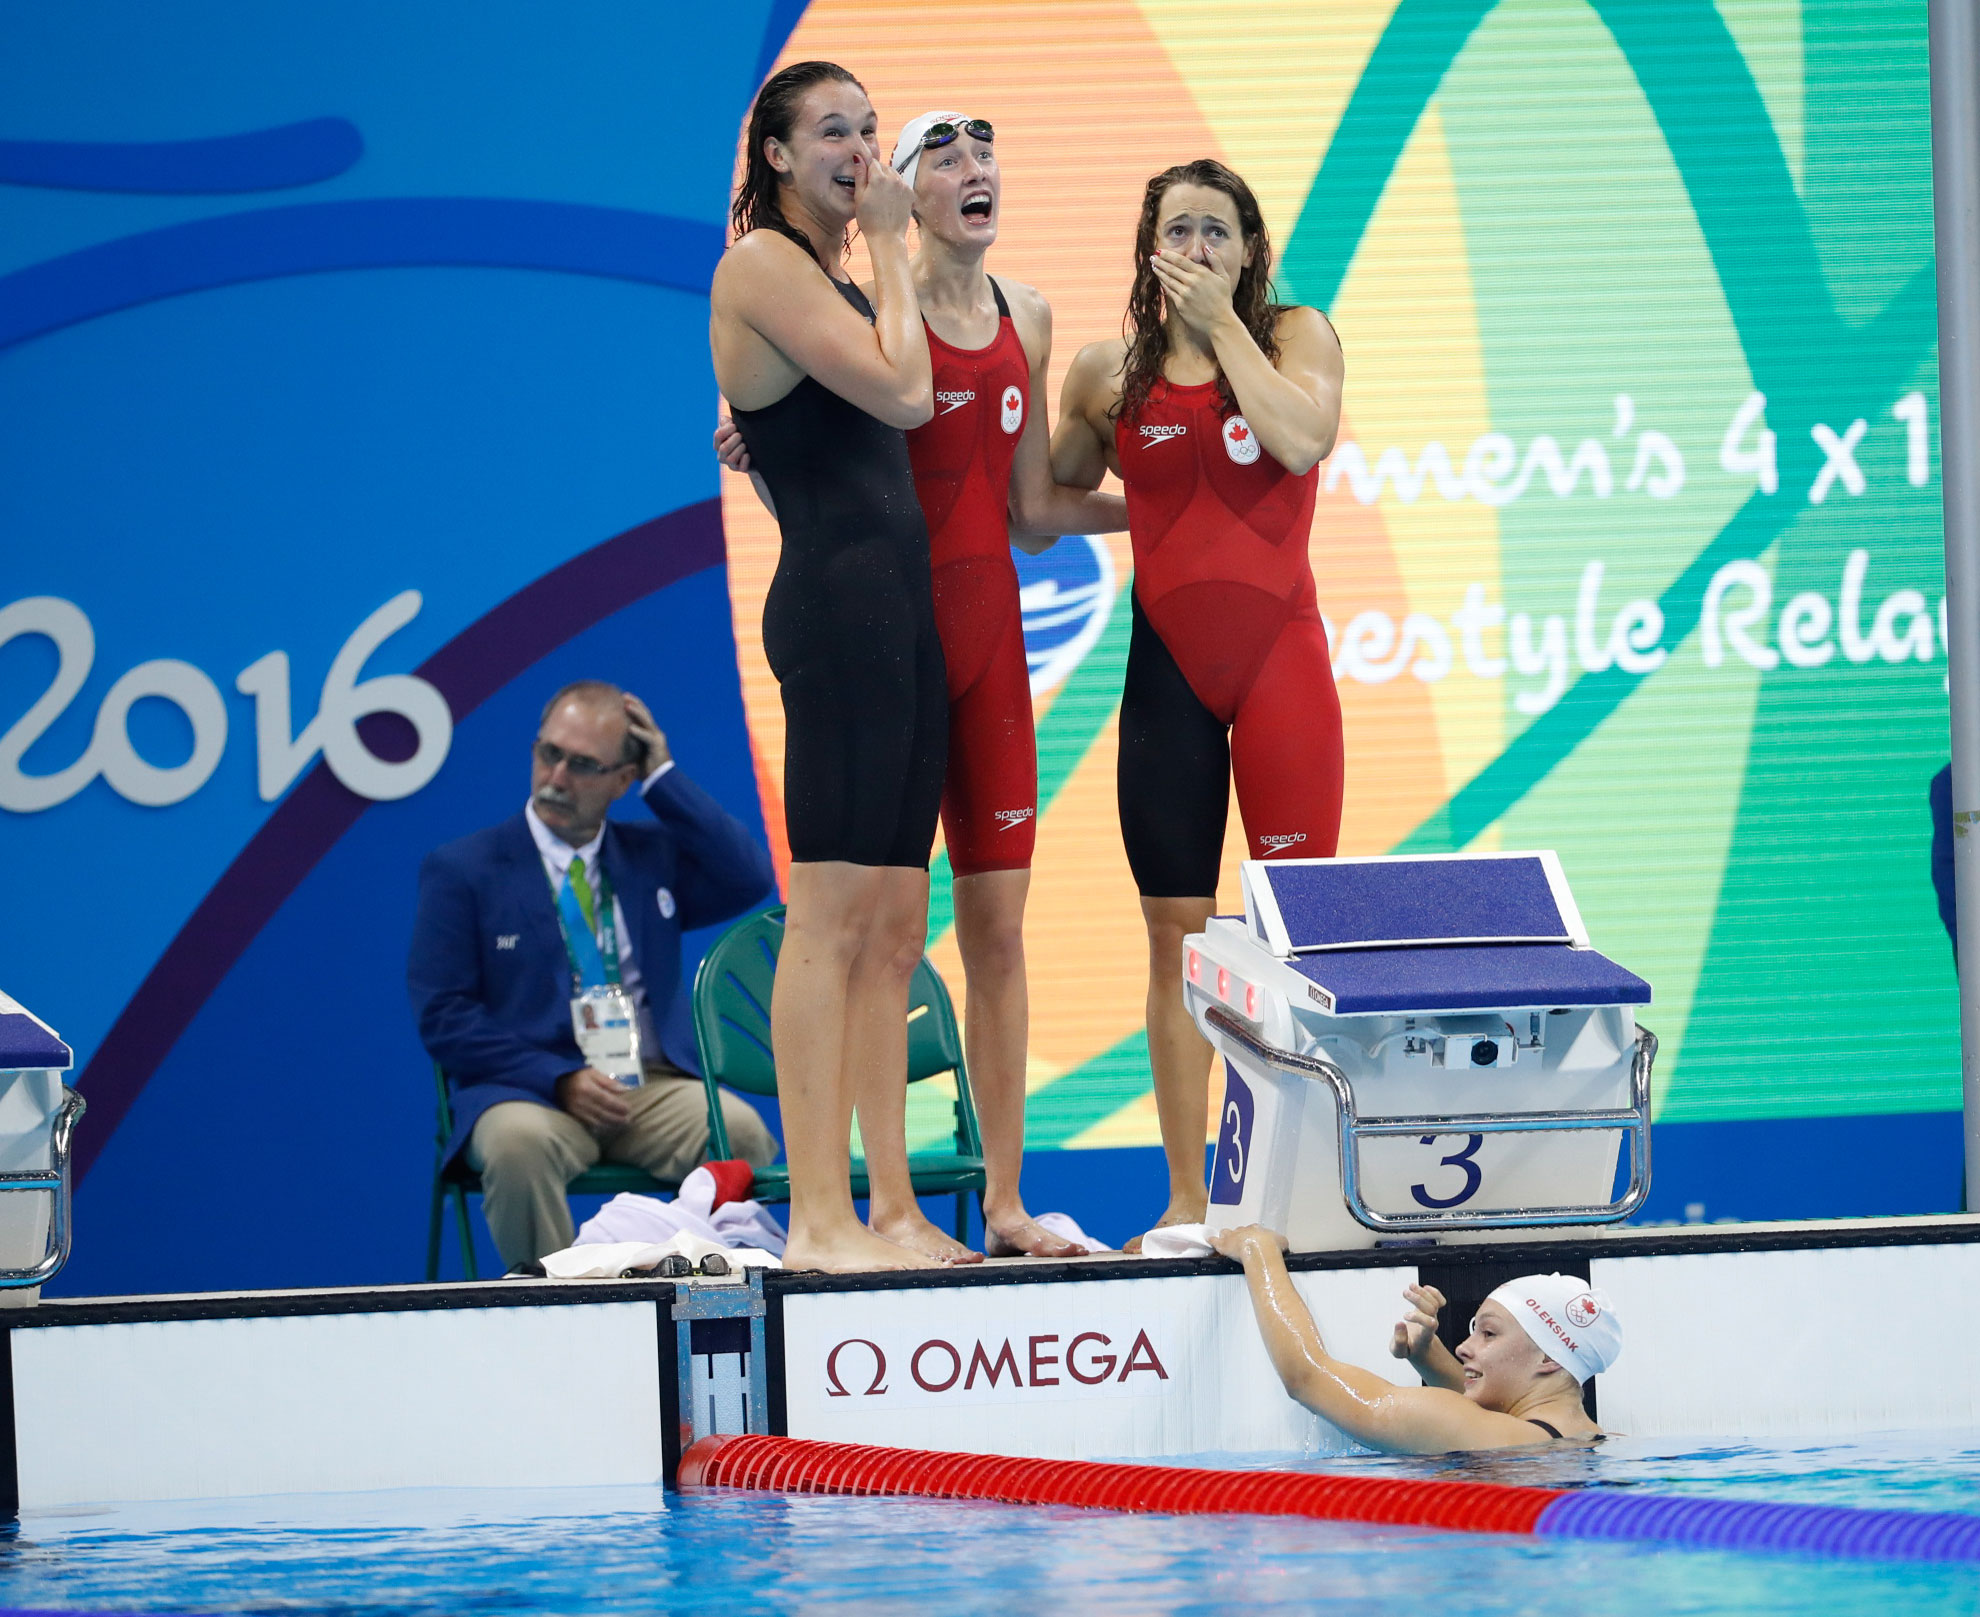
[{"x": 1573, "y": 1324}]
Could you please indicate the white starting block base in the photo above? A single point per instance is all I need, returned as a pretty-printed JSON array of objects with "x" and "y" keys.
[
  {"x": 30, "y": 1099},
  {"x": 1278, "y": 1160},
  {"x": 37, "y": 1121},
  {"x": 1415, "y": 1046},
  {"x": 514, "y": 1384}
]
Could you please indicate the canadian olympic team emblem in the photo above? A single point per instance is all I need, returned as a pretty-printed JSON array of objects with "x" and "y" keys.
[
  {"x": 1240, "y": 442},
  {"x": 1013, "y": 416},
  {"x": 1583, "y": 1311}
]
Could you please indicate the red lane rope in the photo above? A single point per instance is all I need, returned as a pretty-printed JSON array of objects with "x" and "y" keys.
[{"x": 796, "y": 1465}]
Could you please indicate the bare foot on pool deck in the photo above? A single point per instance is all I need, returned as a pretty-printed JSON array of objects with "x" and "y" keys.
[
  {"x": 1029, "y": 1239},
  {"x": 855, "y": 1250},
  {"x": 913, "y": 1232}
]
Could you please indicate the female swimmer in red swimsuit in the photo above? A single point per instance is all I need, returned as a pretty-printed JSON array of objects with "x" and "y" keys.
[
  {"x": 982, "y": 474},
  {"x": 1216, "y": 413}
]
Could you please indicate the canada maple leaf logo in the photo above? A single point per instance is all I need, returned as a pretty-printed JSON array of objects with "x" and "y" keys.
[{"x": 1239, "y": 432}]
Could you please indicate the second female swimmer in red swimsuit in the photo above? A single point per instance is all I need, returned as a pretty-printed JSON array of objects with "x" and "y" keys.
[
  {"x": 982, "y": 474},
  {"x": 1215, "y": 411}
]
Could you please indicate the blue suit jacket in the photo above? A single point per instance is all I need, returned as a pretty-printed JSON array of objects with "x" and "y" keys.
[{"x": 489, "y": 978}]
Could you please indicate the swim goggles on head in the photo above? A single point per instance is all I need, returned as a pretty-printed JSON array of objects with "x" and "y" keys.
[{"x": 943, "y": 133}]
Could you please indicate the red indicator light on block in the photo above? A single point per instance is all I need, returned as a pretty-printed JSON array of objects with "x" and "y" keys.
[
  {"x": 1195, "y": 967},
  {"x": 1224, "y": 984},
  {"x": 1251, "y": 1001}
]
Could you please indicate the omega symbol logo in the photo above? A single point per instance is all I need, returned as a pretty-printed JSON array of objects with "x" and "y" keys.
[
  {"x": 1240, "y": 442},
  {"x": 1013, "y": 416}
]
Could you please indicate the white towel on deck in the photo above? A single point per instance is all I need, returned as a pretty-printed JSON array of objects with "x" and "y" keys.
[
  {"x": 649, "y": 1220},
  {"x": 1178, "y": 1241},
  {"x": 607, "y": 1260}
]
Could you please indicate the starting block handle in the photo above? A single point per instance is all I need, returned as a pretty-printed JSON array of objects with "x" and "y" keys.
[
  {"x": 1634, "y": 1121},
  {"x": 49, "y": 1182}
]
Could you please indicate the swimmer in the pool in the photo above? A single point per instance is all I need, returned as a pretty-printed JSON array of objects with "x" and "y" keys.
[
  {"x": 1514, "y": 1382},
  {"x": 822, "y": 384},
  {"x": 982, "y": 472}
]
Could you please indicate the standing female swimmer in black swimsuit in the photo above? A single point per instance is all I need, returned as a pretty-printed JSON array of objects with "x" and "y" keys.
[
  {"x": 822, "y": 387},
  {"x": 983, "y": 475},
  {"x": 1515, "y": 1382},
  {"x": 1216, "y": 413}
]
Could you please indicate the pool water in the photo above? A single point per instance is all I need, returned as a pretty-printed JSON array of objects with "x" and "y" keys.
[{"x": 583, "y": 1551}]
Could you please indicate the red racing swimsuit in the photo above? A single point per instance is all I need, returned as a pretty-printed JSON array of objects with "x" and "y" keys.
[
  {"x": 962, "y": 474},
  {"x": 1229, "y": 675}
]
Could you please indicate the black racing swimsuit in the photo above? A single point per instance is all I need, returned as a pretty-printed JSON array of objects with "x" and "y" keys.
[
  {"x": 1554, "y": 1432},
  {"x": 849, "y": 629}
]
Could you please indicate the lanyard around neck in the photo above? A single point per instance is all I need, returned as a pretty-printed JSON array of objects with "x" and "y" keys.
[{"x": 593, "y": 952}]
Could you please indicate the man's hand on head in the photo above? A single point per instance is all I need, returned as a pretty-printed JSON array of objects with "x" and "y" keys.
[
  {"x": 639, "y": 720},
  {"x": 596, "y": 1101}
]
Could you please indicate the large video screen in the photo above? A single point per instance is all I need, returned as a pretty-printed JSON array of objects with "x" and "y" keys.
[{"x": 1631, "y": 546}]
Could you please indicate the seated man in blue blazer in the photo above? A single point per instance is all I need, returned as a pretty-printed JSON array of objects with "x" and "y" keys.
[{"x": 491, "y": 969}]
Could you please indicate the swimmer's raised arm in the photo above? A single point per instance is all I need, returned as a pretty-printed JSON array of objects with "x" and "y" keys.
[
  {"x": 1402, "y": 1420},
  {"x": 1416, "y": 1340},
  {"x": 1041, "y": 505}
]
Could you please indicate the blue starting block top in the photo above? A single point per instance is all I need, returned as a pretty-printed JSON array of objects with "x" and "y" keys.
[
  {"x": 1300, "y": 906},
  {"x": 26, "y": 1041},
  {"x": 1467, "y": 977},
  {"x": 1432, "y": 932}
]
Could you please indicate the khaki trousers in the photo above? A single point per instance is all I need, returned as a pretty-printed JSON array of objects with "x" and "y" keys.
[{"x": 526, "y": 1154}]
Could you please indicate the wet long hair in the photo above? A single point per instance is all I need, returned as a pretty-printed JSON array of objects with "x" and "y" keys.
[
  {"x": 1147, "y": 338},
  {"x": 758, "y": 206}
]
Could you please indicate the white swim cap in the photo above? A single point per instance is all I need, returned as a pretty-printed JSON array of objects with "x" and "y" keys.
[
  {"x": 907, "y": 150},
  {"x": 1576, "y": 1327}
]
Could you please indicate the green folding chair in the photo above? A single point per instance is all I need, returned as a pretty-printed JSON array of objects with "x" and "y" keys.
[
  {"x": 458, "y": 1180},
  {"x": 732, "y": 1032}
]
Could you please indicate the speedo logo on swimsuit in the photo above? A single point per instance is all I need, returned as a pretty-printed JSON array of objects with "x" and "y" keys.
[
  {"x": 1279, "y": 844},
  {"x": 1156, "y": 435},
  {"x": 954, "y": 401},
  {"x": 1009, "y": 819}
]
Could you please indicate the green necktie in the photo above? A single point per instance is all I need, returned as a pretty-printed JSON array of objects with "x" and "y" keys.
[{"x": 581, "y": 885}]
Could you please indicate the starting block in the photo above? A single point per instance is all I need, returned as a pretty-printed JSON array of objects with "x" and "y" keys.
[
  {"x": 38, "y": 1114},
  {"x": 1419, "y": 1046}
]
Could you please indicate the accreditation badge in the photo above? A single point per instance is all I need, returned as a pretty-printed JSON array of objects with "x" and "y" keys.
[{"x": 607, "y": 1029}]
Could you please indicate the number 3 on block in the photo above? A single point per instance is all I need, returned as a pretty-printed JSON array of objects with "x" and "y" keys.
[{"x": 1473, "y": 1175}]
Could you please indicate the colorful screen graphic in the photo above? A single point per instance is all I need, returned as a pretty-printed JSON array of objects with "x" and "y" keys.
[{"x": 1631, "y": 544}]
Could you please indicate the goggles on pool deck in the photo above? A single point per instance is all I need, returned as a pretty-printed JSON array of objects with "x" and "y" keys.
[{"x": 942, "y": 134}]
